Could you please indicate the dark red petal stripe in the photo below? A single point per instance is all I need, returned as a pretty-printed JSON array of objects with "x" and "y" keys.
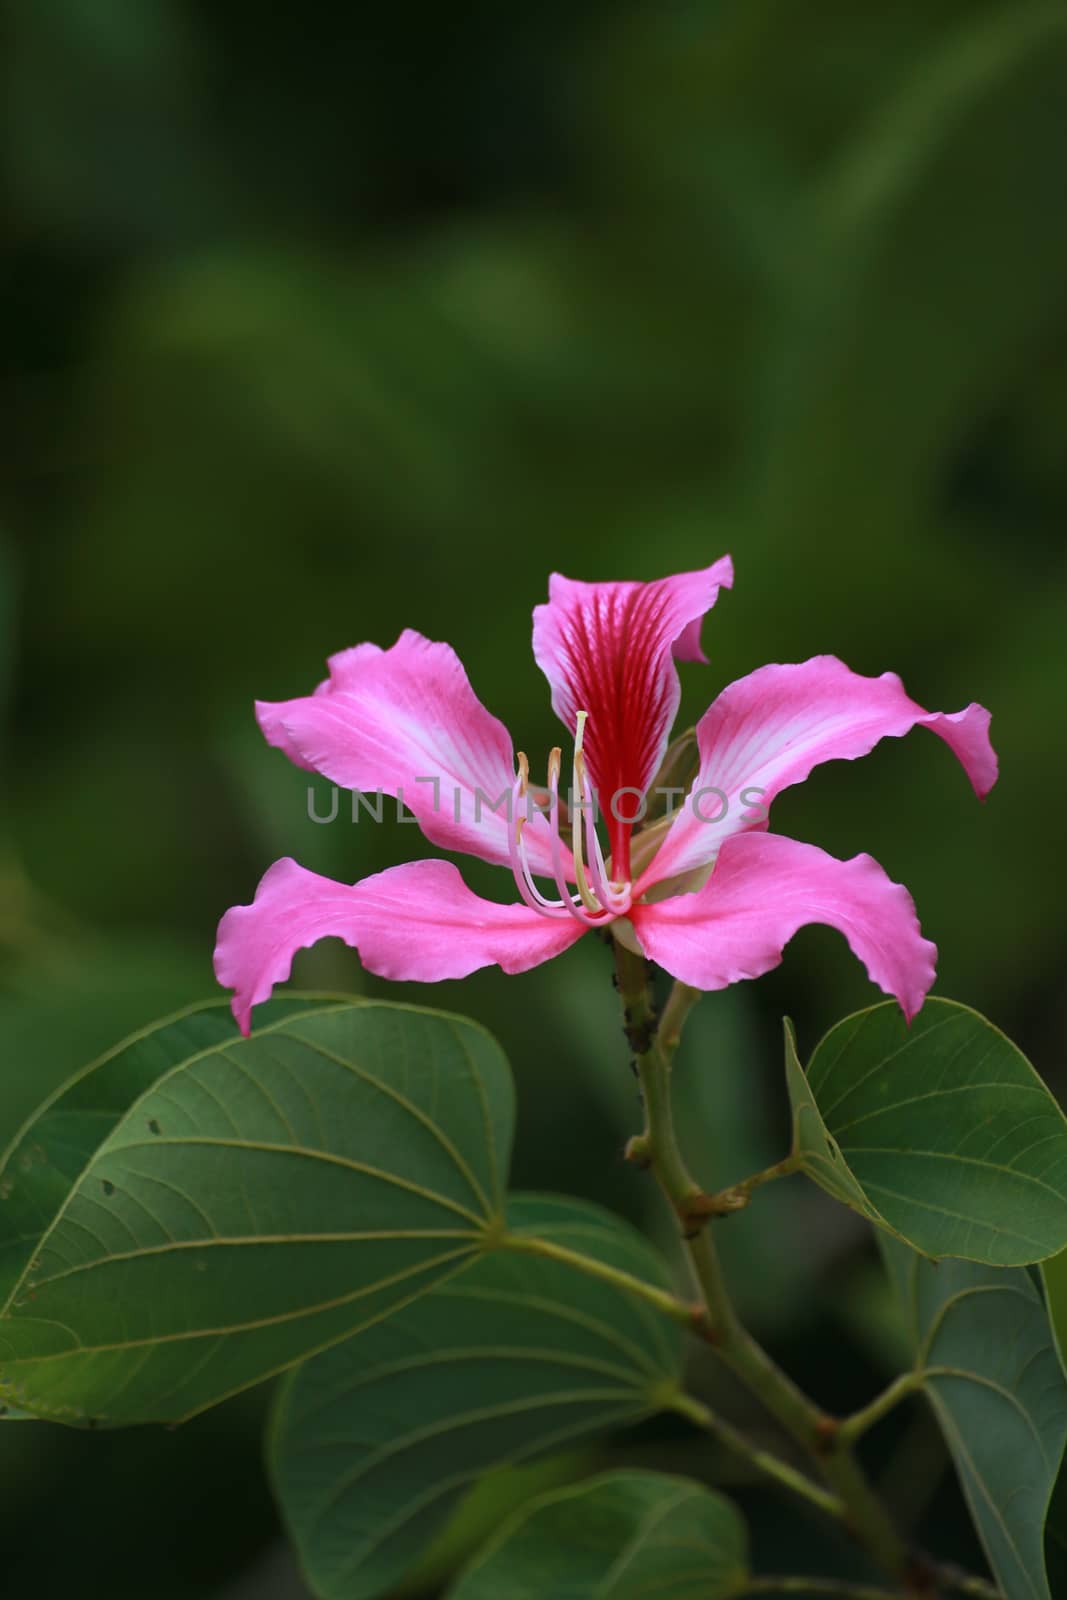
[{"x": 620, "y": 672}]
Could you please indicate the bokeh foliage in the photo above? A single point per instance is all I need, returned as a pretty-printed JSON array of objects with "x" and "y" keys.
[{"x": 316, "y": 332}]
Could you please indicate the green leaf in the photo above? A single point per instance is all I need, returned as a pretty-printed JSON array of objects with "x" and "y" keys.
[
  {"x": 985, "y": 1356},
  {"x": 69, "y": 1008},
  {"x": 262, "y": 1200},
  {"x": 622, "y": 1536},
  {"x": 494, "y": 1499},
  {"x": 375, "y": 1440},
  {"x": 54, "y": 1145},
  {"x": 940, "y": 1133}
]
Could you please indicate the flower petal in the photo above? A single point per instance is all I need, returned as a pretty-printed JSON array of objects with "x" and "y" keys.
[
  {"x": 763, "y": 888},
  {"x": 406, "y": 721},
  {"x": 769, "y": 730},
  {"x": 413, "y": 923},
  {"x": 609, "y": 649}
]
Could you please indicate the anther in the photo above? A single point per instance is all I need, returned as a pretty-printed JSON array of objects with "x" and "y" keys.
[{"x": 599, "y": 900}]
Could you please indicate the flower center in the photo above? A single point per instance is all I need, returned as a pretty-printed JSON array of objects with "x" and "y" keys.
[{"x": 599, "y": 898}]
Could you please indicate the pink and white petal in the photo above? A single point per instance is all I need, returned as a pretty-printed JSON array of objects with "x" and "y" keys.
[
  {"x": 764, "y": 887},
  {"x": 406, "y": 722},
  {"x": 343, "y": 668},
  {"x": 609, "y": 649},
  {"x": 770, "y": 729},
  {"x": 413, "y": 923}
]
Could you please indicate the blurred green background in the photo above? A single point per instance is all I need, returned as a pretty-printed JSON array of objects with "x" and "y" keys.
[{"x": 322, "y": 322}]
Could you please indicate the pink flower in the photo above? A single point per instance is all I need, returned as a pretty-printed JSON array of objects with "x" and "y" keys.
[{"x": 709, "y": 895}]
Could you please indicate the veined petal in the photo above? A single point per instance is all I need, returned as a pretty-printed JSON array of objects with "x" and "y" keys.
[
  {"x": 406, "y": 721},
  {"x": 609, "y": 649},
  {"x": 413, "y": 923},
  {"x": 769, "y": 730},
  {"x": 764, "y": 887}
]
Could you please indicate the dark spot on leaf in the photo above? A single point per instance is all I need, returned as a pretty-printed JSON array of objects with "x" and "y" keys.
[
  {"x": 153, "y": 1127},
  {"x": 109, "y": 1187}
]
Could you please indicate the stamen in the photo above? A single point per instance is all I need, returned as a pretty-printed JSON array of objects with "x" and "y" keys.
[
  {"x": 516, "y": 850},
  {"x": 520, "y": 865},
  {"x": 568, "y": 902},
  {"x": 609, "y": 896},
  {"x": 583, "y": 803},
  {"x": 598, "y": 900}
]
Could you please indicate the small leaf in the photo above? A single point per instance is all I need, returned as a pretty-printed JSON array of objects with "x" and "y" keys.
[
  {"x": 987, "y": 1360},
  {"x": 54, "y": 1146},
  {"x": 302, "y": 1183},
  {"x": 622, "y": 1536},
  {"x": 494, "y": 1498},
  {"x": 375, "y": 1440},
  {"x": 941, "y": 1133}
]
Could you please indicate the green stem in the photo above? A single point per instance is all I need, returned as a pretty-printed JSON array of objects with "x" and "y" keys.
[
  {"x": 657, "y": 1147},
  {"x": 669, "y": 1304},
  {"x": 680, "y": 1002},
  {"x": 685, "y": 1405},
  {"x": 854, "y": 1427},
  {"x": 737, "y": 1195},
  {"x": 771, "y": 1466}
]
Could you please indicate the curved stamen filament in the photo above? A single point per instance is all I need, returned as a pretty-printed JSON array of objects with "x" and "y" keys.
[
  {"x": 574, "y": 907},
  {"x": 584, "y": 805},
  {"x": 598, "y": 899},
  {"x": 611, "y": 897},
  {"x": 520, "y": 864}
]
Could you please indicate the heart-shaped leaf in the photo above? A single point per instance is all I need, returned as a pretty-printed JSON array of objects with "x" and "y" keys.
[
  {"x": 376, "y": 1439},
  {"x": 263, "y": 1199},
  {"x": 941, "y": 1133},
  {"x": 53, "y": 1147},
  {"x": 622, "y": 1536},
  {"x": 985, "y": 1356}
]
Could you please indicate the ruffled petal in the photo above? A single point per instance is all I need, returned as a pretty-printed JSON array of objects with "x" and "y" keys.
[
  {"x": 609, "y": 649},
  {"x": 406, "y": 722},
  {"x": 413, "y": 923},
  {"x": 765, "y": 887},
  {"x": 769, "y": 730}
]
